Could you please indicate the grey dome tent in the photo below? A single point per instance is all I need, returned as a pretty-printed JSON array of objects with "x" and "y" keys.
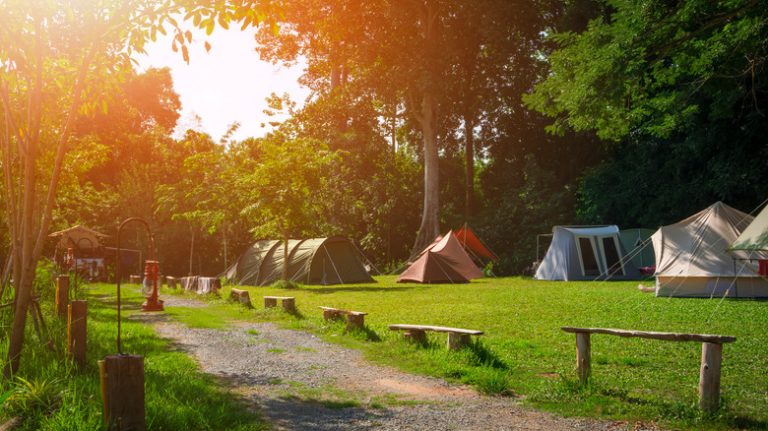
[
  {"x": 332, "y": 260},
  {"x": 585, "y": 253}
]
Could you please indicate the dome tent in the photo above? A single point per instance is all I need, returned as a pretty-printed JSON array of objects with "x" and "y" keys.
[
  {"x": 324, "y": 261},
  {"x": 443, "y": 261}
]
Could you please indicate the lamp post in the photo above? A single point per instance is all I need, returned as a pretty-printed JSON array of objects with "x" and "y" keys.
[{"x": 122, "y": 375}]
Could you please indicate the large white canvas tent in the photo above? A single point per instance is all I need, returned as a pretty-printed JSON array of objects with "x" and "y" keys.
[
  {"x": 585, "y": 253},
  {"x": 692, "y": 258}
]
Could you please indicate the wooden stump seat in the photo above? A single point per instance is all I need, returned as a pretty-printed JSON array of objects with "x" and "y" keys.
[
  {"x": 171, "y": 281},
  {"x": 289, "y": 302},
  {"x": 355, "y": 319},
  {"x": 241, "y": 296},
  {"x": 457, "y": 337},
  {"x": 711, "y": 357}
]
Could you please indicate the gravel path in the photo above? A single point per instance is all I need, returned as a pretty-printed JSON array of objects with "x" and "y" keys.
[{"x": 300, "y": 382}]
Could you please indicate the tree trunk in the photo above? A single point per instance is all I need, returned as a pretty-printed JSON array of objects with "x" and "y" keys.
[
  {"x": 430, "y": 223},
  {"x": 469, "y": 161},
  {"x": 427, "y": 118},
  {"x": 191, "y": 252},
  {"x": 285, "y": 257}
]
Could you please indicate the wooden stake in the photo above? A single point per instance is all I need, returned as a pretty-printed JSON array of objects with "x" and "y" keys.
[
  {"x": 122, "y": 391},
  {"x": 583, "y": 362},
  {"x": 62, "y": 295},
  {"x": 77, "y": 331},
  {"x": 709, "y": 377}
]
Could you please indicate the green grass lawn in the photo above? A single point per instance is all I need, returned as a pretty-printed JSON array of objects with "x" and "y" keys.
[
  {"x": 49, "y": 393},
  {"x": 524, "y": 353}
]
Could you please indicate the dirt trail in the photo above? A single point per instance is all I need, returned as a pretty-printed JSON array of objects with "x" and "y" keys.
[{"x": 300, "y": 382}]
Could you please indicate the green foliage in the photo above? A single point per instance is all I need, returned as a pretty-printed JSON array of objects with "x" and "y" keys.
[
  {"x": 656, "y": 68},
  {"x": 287, "y": 187}
]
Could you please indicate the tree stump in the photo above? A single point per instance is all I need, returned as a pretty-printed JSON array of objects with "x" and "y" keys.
[
  {"x": 270, "y": 302},
  {"x": 355, "y": 321},
  {"x": 289, "y": 305},
  {"x": 456, "y": 340},
  {"x": 171, "y": 282},
  {"x": 122, "y": 391},
  {"x": 415, "y": 336},
  {"x": 241, "y": 296},
  {"x": 62, "y": 295},
  {"x": 77, "y": 332}
]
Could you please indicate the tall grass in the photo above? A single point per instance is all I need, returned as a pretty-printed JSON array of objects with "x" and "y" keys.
[{"x": 50, "y": 393}]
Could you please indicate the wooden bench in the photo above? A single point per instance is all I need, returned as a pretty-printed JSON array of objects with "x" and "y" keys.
[
  {"x": 711, "y": 357},
  {"x": 289, "y": 302},
  {"x": 134, "y": 279},
  {"x": 355, "y": 319},
  {"x": 241, "y": 296},
  {"x": 457, "y": 337}
]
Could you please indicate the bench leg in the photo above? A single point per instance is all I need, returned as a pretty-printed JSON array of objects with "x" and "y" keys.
[
  {"x": 289, "y": 305},
  {"x": 355, "y": 322},
  {"x": 415, "y": 336},
  {"x": 330, "y": 314},
  {"x": 270, "y": 302},
  {"x": 583, "y": 361},
  {"x": 709, "y": 377},
  {"x": 245, "y": 299},
  {"x": 457, "y": 341}
]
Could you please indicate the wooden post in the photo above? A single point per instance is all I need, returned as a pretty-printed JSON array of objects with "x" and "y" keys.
[
  {"x": 355, "y": 321},
  {"x": 415, "y": 336},
  {"x": 583, "y": 363},
  {"x": 709, "y": 377},
  {"x": 456, "y": 341},
  {"x": 77, "y": 331},
  {"x": 289, "y": 305},
  {"x": 122, "y": 391},
  {"x": 270, "y": 302},
  {"x": 62, "y": 295}
]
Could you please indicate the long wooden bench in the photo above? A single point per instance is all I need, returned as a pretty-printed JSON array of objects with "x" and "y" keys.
[
  {"x": 241, "y": 296},
  {"x": 355, "y": 319},
  {"x": 289, "y": 302},
  {"x": 711, "y": 356},
  {"x": 457, "y": 337}
]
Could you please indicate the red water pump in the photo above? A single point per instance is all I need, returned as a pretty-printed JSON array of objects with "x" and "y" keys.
[{"x": 151, "y": 275}]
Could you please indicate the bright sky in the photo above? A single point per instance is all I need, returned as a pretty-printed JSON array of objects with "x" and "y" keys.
[{"x": 230, "y": 83}]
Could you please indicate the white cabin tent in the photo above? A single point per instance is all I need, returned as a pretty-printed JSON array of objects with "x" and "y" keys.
[
  {"x": 692, "y": 259},
  {"x": 585, "y": 253}
]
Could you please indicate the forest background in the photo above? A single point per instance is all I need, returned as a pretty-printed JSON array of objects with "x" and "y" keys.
[{"x": 538, "y": 113}]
